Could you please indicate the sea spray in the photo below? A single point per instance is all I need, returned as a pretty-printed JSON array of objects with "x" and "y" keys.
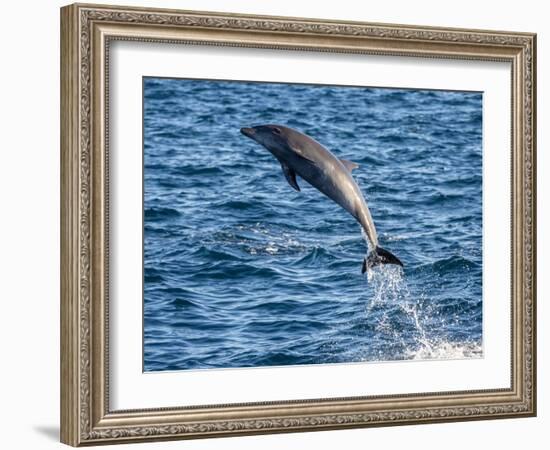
[{"x": 391, "y": 292}]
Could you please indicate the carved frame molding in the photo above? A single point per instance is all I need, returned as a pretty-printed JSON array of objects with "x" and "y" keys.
[{"x": 86, "y": 32}]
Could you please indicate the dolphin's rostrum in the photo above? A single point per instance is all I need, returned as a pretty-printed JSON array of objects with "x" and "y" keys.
[{"x": 301, "y": 155}]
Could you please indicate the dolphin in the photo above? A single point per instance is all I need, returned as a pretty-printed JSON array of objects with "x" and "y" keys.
[{"x": 302, "y": 155}]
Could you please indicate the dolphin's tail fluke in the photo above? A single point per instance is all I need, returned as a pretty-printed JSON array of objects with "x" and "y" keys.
[{"x": 379, "y": 256}]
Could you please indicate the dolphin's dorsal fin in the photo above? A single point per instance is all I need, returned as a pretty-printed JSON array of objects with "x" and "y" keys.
[
  {"x": 350, "y": 165},
  {"x": 290, "y": 176}
]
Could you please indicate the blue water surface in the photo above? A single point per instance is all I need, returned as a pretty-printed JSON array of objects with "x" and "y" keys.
[{"x": 240, "y": 270}]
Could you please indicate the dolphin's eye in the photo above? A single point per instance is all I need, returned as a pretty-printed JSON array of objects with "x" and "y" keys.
[{"x": 276, "y": 130}]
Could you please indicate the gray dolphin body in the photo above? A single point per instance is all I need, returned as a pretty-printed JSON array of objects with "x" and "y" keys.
[{"x": 301, "y": 155}]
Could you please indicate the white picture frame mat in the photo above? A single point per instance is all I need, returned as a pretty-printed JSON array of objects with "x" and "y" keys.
[{"x": 131, "y": 388}]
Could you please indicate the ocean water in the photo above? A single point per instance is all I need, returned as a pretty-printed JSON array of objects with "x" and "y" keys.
[{"x": 240, "y": 270}]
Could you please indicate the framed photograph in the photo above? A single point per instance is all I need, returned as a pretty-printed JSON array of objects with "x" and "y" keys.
[{"x": 276, "y": 224}]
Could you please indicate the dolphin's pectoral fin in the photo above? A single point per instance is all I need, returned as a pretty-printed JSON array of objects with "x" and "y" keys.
[
  {"x": 350, "y": 165},
  {"x": 290, "y": 176}
]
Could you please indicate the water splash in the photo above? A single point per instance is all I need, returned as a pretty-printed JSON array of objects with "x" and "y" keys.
[
  {"x": 396, "y": 310},
  {"x": 442, "y": 349},
  {"x": 390, "y": 292},
  {"x": 388, "y": 285}
]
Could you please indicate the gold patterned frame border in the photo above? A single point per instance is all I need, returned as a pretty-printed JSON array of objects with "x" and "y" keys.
[{"x": 86, "y": 31}]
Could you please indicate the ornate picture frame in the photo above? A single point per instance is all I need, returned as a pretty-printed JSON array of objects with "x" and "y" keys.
[{"x": 87, "y": 31}]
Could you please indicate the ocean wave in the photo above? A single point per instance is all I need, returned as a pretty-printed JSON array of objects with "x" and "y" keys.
[
  {"x": 156, "y": 92},
  {"x": 237, "y": 205},
  {"x": 160, "y": 213},
  {"x": 315, "y": 256},
  {"x": 184, "y": 303},
  {"x": 245, "y": 241},
  {"x": 442, "y": 198},
  {"x": 453, "y": 263},
  {"x": 166, "y": 134},
  {"x": 218, "y": 254},
  {"x": 196, "y": 170},
  {"x": 224, "y": 270},
  {"x": 441, "y": 349},
  {"x": 283, "y": 306},
  {"x": 276, "y": 359},
  {"x": 151, "y": 277}
]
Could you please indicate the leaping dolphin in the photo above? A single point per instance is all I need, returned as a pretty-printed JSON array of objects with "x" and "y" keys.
[{"x": 301, "y": 155}]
